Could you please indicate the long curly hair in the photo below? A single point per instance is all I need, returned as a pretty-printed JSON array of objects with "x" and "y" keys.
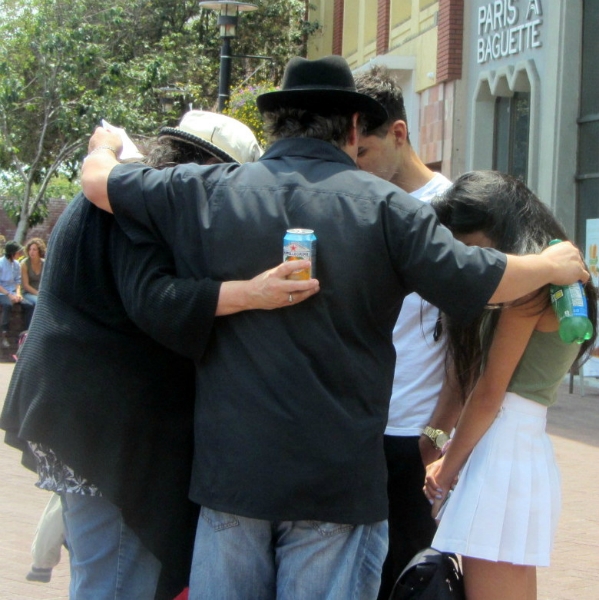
[
  {"x": 41, "y": 245},
  {"x": 516, "y": 222}
]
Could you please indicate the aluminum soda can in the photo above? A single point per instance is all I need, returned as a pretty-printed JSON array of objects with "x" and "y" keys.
[{"x": 300, "y": 244}]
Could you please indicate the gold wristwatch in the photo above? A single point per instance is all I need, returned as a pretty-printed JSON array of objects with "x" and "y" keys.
[{"x": 438, "y": 437}]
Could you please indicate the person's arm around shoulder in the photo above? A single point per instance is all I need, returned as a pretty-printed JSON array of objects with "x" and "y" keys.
[
  {"x": 179, "y": 312},
  {"x": 103, "y": 150},
  {"x": 560, "y": 264}
]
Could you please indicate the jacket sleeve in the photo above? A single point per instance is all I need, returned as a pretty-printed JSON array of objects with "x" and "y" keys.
[{"x": 178, "y": 313}]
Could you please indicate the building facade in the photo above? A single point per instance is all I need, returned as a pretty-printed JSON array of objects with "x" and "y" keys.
[
  {"x": 420, "y": 42},
  {"x": 530, "y": 108},
  {"x": 489, "y": 84}
]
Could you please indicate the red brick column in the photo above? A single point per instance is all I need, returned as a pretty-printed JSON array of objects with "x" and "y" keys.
[
  {"x": 382, "y": 26},
  {"x": 338, "y": 27},
  {"x": 450, "y": 33}
]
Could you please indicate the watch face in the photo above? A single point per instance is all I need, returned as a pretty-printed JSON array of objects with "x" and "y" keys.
[{"x": 441, "y": 440}]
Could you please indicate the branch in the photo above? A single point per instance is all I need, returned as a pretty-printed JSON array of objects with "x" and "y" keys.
[
  {"x": 48, "y": 110},
  {"x": 19, "y": 166},
  {"x": 64, "y": 153}
]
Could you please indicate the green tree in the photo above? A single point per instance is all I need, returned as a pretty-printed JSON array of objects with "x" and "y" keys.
[
  {"x": 65, "y": 65},
  {"x": 242, "y": 106}
]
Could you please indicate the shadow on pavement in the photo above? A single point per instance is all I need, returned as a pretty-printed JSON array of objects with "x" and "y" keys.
[{"x": 576, "y": 417}]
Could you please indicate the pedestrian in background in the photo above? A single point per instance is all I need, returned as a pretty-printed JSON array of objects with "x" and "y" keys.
[
  {"x": 31, "y": 271},
  {"x": 47, "y": 542},
  {"x": 10, "y": 289}
]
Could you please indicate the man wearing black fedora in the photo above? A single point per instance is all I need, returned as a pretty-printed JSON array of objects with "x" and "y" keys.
[{"x": 291, "y": 405}]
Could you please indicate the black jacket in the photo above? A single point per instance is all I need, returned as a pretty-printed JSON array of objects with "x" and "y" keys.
[
  {"x": 293, "y": 403},
  {"x": 111, "y": 402}
]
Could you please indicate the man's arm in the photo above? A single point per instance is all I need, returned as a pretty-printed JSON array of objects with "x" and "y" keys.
[
  {"x": 445, "y": 416},
  {"x": 179, "y": 313},
  {"x": 560, "y": 264},
  {"x": 103, "y": 149},
  {"x": 267, "y": 290}
]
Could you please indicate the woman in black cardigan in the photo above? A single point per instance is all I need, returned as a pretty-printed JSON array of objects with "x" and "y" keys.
[{"x": 109, "y": 401}]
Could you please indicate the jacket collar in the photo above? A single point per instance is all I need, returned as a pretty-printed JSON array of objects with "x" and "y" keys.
[{"x": 307, "y": 148}]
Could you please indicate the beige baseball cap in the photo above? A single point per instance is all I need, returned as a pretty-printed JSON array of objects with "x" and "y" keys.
[{"x": 220, "y": 135}]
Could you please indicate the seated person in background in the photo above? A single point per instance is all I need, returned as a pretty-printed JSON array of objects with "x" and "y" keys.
[
  {"x": 31, "y": 269},
  {"x": 10, "y": 289}
]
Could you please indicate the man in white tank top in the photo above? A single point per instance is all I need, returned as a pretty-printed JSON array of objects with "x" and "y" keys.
[{"x": 420, "y": 418}]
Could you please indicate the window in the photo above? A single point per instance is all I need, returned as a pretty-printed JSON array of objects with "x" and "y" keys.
[
  {"x": 511, "y": 134},
  {"x": 505, "y": 122}
]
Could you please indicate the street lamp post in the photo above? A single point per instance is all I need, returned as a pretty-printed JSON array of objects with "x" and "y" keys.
[
  {"x": 169, "y": 96},
  {"x": 227, "y": 20}
]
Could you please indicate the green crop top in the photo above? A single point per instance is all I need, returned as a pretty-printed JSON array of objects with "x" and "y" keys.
[{"x": 542, "y": 367}]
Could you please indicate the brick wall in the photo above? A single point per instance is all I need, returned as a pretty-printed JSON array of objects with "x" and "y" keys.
[
  {"x": 382, "y": 26},
  {"x": 450, "y": 33},
  {"x": 55, "y": 208},
  {"x": 433, "y": 120},
  {"x": 338, "y": 27}
]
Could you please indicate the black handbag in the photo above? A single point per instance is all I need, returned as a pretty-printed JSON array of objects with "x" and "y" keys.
[{"x": 430, "y": 575}]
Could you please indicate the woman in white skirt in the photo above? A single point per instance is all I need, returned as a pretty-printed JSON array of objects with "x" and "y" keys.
[{"x": 502, "y": 514}]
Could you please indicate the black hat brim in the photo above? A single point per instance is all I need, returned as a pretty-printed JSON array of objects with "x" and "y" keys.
[
  {"x": 183, "y": 136},
  {"x": 324, "y": 102}
]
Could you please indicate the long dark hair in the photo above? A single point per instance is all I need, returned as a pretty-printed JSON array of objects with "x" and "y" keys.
[
  {"x": 516, "y": 222},
  {"x": 166, "y": 151}
]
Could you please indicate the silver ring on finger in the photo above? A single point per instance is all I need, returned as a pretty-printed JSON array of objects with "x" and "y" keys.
[{"x": 290, "y": 298}]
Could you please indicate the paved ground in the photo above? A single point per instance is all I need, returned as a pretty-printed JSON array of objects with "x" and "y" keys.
[
  {"x": 21, "y": 505},
  {"x": 574, "y": 574}
]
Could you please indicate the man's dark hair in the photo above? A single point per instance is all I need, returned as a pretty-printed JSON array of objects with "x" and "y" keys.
[
  {"x": 379, "y": 84},
  {"x": 12, "y": 248},
  {"x": 286, "y": 123}
]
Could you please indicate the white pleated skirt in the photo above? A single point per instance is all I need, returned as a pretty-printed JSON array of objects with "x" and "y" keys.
[{"x": 506, "y": 504}]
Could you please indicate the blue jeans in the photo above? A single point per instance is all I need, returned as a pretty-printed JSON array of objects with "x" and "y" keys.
[
  {"x": 29, "y": 303},
  {"x": 237, "y": 558},
  {"x": 7, "y": 305},
  {"x": 31, "y": 298},
  {"x": 108, "y": 561}
]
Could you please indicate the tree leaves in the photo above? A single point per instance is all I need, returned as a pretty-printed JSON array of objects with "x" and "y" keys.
[{"x": 65, "y": 65}]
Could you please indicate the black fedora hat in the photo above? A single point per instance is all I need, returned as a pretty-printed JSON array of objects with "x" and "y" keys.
[{"x": 324, "y": 86}]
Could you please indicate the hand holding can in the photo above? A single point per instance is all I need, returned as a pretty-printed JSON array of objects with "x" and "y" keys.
[{"x": 300, "y": 244}]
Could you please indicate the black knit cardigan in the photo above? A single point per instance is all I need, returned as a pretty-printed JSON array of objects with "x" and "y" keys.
[{"x": 111, "y": 402}]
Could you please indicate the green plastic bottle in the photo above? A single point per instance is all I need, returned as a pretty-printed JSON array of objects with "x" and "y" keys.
[{"x": 570, "y": 305}]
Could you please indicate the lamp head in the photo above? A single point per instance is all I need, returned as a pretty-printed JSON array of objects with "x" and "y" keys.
[{"x": 228, "y": 14}]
